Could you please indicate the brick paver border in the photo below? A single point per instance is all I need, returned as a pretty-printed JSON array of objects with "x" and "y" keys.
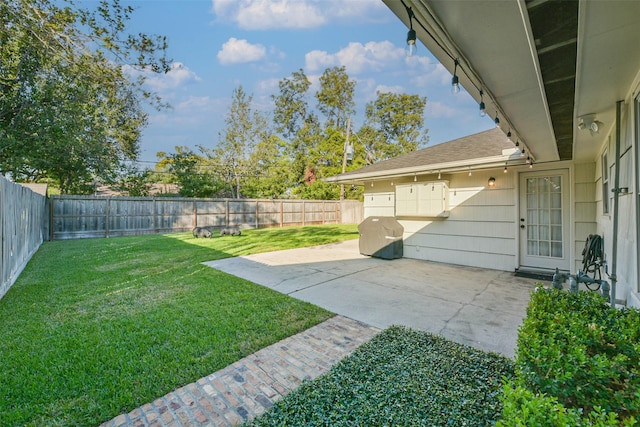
[{"x": 250, "y": 386}]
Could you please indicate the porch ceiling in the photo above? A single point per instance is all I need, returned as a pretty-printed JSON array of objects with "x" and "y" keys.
[{"x": 542, "y": 64}]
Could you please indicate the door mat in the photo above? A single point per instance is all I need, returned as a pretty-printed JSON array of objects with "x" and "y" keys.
[{"x": 538, "y": 275}]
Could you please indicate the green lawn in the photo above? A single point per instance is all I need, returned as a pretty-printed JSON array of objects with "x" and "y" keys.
[{"x": 94, "y": 328}]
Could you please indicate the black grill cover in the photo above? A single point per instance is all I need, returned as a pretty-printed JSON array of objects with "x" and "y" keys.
[{"x": 381, "y": 237}]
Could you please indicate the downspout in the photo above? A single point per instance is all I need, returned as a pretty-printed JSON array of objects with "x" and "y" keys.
[{"x": 616, "y": 196}]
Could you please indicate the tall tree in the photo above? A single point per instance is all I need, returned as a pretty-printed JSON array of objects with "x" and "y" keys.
[
  {"x": 398, "y": 120},
  {"x": 294, "y": 118},
  {"x": 245, "y": 129},
  {"x": 335, "y": 97},
  {"x": 191, "y": 173},
  {"x": 68, "y": 109}
]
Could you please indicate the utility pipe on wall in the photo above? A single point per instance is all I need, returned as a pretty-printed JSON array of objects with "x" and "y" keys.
[{"x": 616, "y": 196}]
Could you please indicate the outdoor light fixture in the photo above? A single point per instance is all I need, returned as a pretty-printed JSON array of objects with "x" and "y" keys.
[
  {"x": 509, "y": 136},
  {"x": 483, "y": 108},
  {"x": 517, "y": 143},
  {"x": 455, "y": 83},
  {"x": 439, "y": 175},
  {"x": 492, "y": 182},
  {"x": 505, "y": 168},
  {"x": 412, "y": 47},
  {"x": 590, "y": 123},
  {"x": 497, "y": 120},
  {"x": 415, "y": 178},
  {"x": 469, "y": 171}
]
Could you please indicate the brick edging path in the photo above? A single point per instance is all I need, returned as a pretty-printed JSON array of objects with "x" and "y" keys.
[{"x": 250, "y": 386}]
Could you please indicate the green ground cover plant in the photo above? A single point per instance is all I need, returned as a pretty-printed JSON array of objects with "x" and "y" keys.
[
  {"x": 578, "y": 359},
  {"x": 401, "y": 377},
  {"x": 94, "y": 328}
]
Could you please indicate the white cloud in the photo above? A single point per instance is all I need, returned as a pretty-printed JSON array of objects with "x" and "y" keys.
[
  {"x": 236, "y": 51},
  {"x": 438, "y": 110},
  {"x": 357, "y": 57},
  {"x": 438, "y": 75},
  {"x": 390, "y": 89},
  {"x": 278, "y": 14},
  {"x": 177, "y": 76}
]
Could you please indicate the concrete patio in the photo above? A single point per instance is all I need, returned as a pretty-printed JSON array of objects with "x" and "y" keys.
[{"x": 479, "y": 307}]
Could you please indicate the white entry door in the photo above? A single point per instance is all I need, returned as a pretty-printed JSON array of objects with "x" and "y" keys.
[{"x": 544, "y": 220}]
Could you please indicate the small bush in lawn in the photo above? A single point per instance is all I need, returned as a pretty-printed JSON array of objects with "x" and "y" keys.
[
  {"x": 401, "y": 377},
  {"x": 575, "y": 348}
]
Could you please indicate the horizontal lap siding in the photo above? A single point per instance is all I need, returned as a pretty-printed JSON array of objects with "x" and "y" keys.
[
  {"x": 480, "y": 230},
  {"x": 585, "y": 208}
]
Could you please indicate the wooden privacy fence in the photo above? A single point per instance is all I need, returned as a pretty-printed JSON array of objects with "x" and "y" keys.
[
  {"x": 23, "y": 225},
  {"x": 87, "y": 216}
]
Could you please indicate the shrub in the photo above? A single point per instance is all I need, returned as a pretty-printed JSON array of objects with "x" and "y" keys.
[
  {"x": 576, "y": 349},
  {"x": 401, "y": 377},
  {"x": 522, "y": 407}
]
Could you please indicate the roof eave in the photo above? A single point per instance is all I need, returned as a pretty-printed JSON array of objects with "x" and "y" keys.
[{"x": 512, "y": 159}]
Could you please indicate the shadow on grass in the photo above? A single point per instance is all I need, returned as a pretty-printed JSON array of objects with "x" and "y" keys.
[{"x": 94, "y": 328}]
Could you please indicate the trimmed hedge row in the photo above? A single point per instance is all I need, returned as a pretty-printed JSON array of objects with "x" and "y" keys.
[
  {"x": 401, "y": 377},
  {"x": 577, "y": 362}
]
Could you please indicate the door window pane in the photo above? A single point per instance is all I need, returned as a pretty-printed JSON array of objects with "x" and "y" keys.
[{"x": 544, "y": 216}]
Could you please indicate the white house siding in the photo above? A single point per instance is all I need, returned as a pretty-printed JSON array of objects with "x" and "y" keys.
[
  {"x": 480, "y": 229},
  {"x": 627, "y": 261},
  {"x": 584, "y": 209}
]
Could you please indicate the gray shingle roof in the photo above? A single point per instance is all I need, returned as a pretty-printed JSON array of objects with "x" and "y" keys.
[{"x": 485, "y": 144}]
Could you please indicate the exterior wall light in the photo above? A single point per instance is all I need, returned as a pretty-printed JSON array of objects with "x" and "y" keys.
[
  {"x": 455, "y": 82},
  {"x": 492, "y": 182},
  {"x": 412, "y": 47}
]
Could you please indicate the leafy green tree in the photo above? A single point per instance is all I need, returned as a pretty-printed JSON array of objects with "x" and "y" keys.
[
  {"x": 269, "y": 171},
  {"x": 245, "y": 129},
  {"x": 294, "y": 118},
  {"x": 191, "y": 173},
  {"x": 335, "y": 97},
  {"x": 68, "y": 109},
  {"x": 134, "y": 182},
  {"x": 398, "y": 120}
]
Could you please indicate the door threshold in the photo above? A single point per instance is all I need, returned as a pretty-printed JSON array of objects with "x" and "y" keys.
[{"x": 538, "y": 274}]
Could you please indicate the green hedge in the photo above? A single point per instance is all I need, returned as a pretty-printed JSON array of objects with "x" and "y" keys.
[
  {"x": 401, "y": 377},
  {"x": 578, "y": 360}
]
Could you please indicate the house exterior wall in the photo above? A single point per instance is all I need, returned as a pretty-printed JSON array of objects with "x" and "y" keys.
[
  {"x": 584, "y": 209},
  {"x": 627, "y": 254},
  {"x": 480, "y": 230}
]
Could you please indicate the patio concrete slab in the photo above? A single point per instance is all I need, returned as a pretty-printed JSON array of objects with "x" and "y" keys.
[{"x": 478, "y": 307}]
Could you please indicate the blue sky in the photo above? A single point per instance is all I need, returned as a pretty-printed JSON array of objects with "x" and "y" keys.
[{"x": 219, "y": 45}]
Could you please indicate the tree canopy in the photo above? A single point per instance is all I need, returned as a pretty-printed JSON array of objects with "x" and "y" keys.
[
  {"x": 289, "y": 156},
  {"x": 69, "y": 111}
]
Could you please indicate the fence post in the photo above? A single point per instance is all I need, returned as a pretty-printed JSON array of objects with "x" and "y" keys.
[
  {"x": 51, "y": 224},
  {"x": 107, "y": 211},
  {"x": 226, "y": 212},
  {"x": 257, "y": 214},
  {"x": 195, "y": 214},
  {"x": 304, "y": 210},
  {"x": 323, "y": 216},
  {"x": 154, "y": 220},
  {"x": 338, "y": 213}
]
